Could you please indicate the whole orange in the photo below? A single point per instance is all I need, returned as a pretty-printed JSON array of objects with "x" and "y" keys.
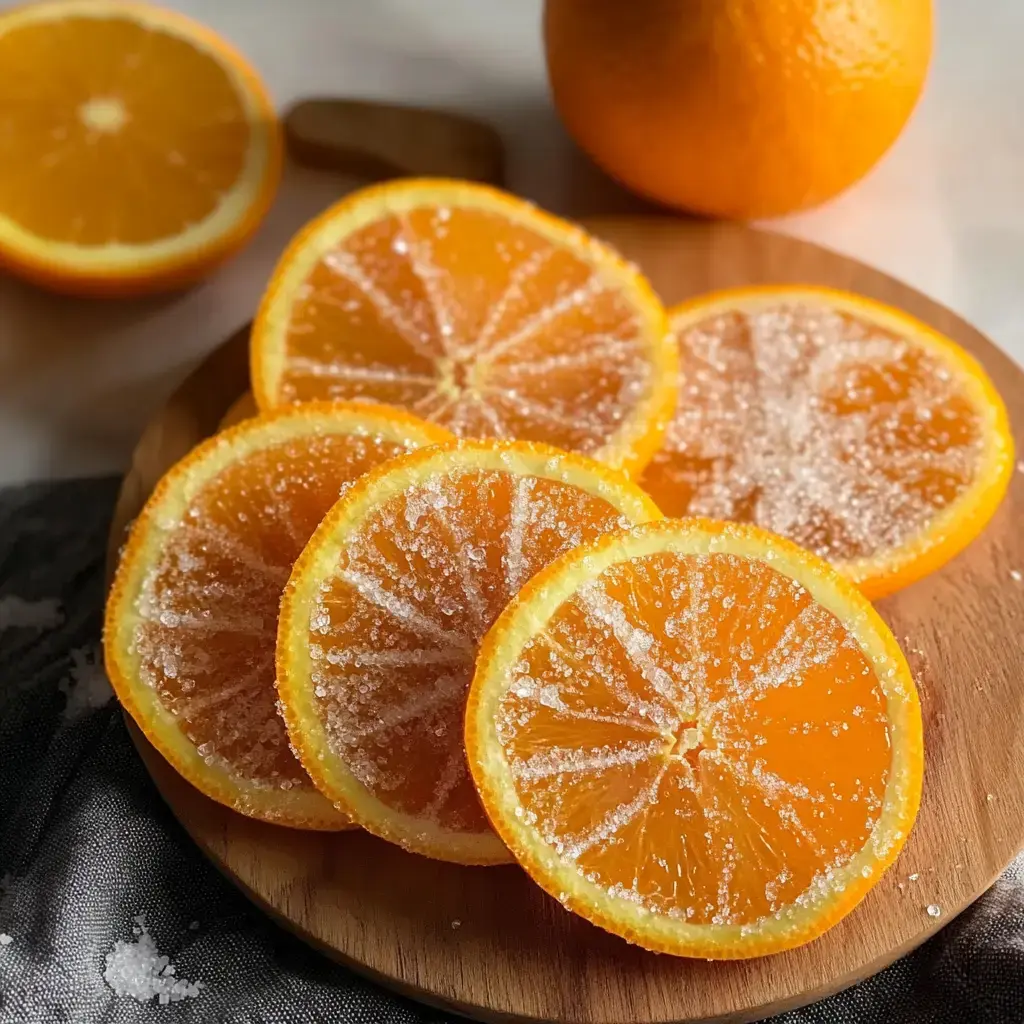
[{"x": 737, "y": 108}]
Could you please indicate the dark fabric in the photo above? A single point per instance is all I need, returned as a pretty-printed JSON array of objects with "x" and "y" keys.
[{"x": 87, "y": 846}]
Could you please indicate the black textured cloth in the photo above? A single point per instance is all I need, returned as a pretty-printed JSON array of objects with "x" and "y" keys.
[{"x": 110, "y": 915}]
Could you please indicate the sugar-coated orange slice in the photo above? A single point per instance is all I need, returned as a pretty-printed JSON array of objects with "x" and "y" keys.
[
  {"x": 843, "y": 424},
  {"x": 698, "y": 736},
  {"x": 471, "y": 308},
  {"x": 191, "y": 620},
  {"x": 381, "y": 620}
]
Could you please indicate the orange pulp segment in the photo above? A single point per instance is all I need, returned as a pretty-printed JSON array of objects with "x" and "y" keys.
[
  {"x": 471, "y": 308},
  {"x": 850, "y": 427},
  {"x": 139, "y": 149},
  {"x": 191, "y": 619},
  {"x": 384, "y": 610},
  {"x": 697, "y": 736}
]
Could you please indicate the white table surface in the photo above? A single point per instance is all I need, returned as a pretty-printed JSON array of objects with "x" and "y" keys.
[{"x": 944, "y": 211}]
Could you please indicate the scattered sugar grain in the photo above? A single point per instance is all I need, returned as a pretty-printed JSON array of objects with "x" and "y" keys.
[
  {"x": 5, "y": 939},
  {"x": 139, "y": 970},
  {"x": 934, "y": 910},
  {"x": 17, "y": 613},
  {"x": 1015, "y": 575},
  {"x": 87, "y": 686}
]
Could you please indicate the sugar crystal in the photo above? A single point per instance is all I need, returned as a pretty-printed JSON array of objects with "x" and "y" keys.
[
  {"x": 139, "y": 970},
  {"x": 17, "y": 613},
  {"x": 86, "y": 687}
]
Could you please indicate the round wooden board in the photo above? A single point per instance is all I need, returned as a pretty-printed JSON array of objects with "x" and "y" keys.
[{"x": 485, "y": 941}]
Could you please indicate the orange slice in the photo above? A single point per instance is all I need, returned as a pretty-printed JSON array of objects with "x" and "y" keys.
[
  {"x": 139, "y": 150},
  {"x": 849, "y": 427},
  {"x": 384, "y": 610},
  {"x": 473, "y": 309},
  {"x": 191, "y": 619},
  {"x": 698, "y": 736}
]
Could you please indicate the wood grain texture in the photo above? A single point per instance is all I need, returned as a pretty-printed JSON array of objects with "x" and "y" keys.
[
  {"x": 387, "y": 140},
  {"x": 488, "y": 943}
]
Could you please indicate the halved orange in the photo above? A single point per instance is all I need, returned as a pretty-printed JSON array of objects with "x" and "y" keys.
[
  {"x": 191, "y": 619},
  {"x": 473, "y": 309},
  {"x": 138, "y": 151},
  {"x": 698, "y": 736},
  {"x": 848, "y": 426},
  {"x": 381, "y": 619}
]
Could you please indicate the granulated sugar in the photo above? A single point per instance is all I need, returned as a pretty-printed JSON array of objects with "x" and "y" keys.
[
  {"x": 17, "y": 613},
  {"x": 87, "y": 686},
  {"x": 139, "y": 970}
]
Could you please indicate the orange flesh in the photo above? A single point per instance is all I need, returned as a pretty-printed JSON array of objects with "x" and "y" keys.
[
  {"x": 818, "y": 426},
  {"x": 472, "y": 321},
  {"x": 209, "y": 607},
  {"x": 697, "y": 735},
  {"x": 396, "y": 627},
  {"x": 100, "y": 115}
]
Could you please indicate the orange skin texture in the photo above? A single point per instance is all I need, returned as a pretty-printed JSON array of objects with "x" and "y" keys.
[{"x": 737, "y": 108}]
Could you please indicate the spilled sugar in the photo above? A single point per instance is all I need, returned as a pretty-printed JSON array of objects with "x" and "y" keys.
[
  {"x": 816, "y": 426},
  {"x": 138, "y": 969},
  {"x": 87, "y": 686},
  {"x": 17, "y": 613}
]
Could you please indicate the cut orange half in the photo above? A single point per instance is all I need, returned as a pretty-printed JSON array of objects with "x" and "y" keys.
[
  {"x": 697, "y": 736},
  {"x": 191, "y": 620},
  {"x": 471, "y": 308},
  {"x": 138, "y": 149},
  {"x": 845, "y": 425},
  {"x": 384, "y": 610}
]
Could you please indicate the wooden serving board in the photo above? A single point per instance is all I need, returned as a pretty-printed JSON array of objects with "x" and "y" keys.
[{"x": 485, "y": 941}]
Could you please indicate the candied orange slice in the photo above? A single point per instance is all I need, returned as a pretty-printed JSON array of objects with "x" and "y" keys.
[
  {"x": 138, "y": 151},
  {"x": 698, "y": 736},
  {"x": 191, "y": 620},
  {"x": 384, "y": 610},
  {"x": 471, "y": 308},
  {"x": 847, "y": 426}
]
